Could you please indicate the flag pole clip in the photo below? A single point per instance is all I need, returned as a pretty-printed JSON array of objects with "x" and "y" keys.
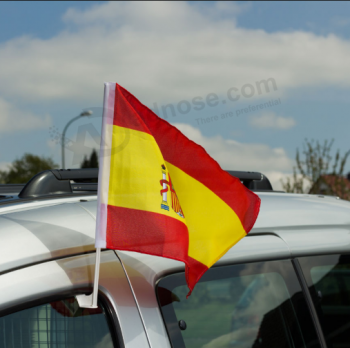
[{"x": 90, "y": 301}]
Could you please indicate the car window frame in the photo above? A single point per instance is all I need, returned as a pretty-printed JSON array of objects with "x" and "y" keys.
[{"x": 111, "y": 317}]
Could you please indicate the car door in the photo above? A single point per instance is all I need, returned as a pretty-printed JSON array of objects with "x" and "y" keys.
[
  {"x": 38, "y": 306},
  {"x": 251, "y": 298},
  {"x": 328, "y": 279},
  {"x": 246, "y": 305}
]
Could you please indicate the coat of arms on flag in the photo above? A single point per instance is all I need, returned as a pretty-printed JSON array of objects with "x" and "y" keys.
[
  {"x": 162, "y": 194},
  {"x": 167, "y": 186}
]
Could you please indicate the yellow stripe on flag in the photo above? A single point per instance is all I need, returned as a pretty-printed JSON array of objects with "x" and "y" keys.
[
  {"x": 135, "y": 173},
  {"x": 210, "y": 235}
]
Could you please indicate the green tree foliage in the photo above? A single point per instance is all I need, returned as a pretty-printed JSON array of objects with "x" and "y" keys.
[
  {"x": 312, "y": 164},
  {"x": 92, "y": 162},
  {"x": 23, "y": 169}
]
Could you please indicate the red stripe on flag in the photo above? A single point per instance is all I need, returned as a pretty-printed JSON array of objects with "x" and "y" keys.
[
  {"x": 162, "y": 235},
  {"x": 194, "y": 272},
  {"x": 125, "y": 115},
  {"x": 201, "y": 166}
]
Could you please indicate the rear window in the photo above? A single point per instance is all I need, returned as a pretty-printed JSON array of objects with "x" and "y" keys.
[{"x": 251, "y": 305}]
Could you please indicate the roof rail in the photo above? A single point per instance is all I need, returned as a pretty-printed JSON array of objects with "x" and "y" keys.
[
  {"x": 57, "y": 181},
  {"x": 253, "y": 180}
]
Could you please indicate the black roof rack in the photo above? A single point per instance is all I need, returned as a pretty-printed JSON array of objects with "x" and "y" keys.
[
  {"x": 253, "y": 180},
  {"x": 58, "y": 182}
]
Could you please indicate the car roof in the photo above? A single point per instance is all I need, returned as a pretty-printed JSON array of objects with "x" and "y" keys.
[{"x": 288, "y": 225}]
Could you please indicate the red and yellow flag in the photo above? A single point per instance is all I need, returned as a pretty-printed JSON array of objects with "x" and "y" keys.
[{"x": 161, "y": 194}]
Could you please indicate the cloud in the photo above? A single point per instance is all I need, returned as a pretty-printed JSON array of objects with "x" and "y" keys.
[
  {"x": 289, "y": 176},
  {"x": 232, "y": 155},
  {"x": 164, "y": 51},
  {"x": 153, "y": 15},
  {"x": 14, "y": 119},
  {"x": 271, "y": 120},
  {"x": 4, "y": 165}
]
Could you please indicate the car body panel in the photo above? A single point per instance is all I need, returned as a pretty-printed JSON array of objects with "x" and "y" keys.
[
  {"x": 300, "y": 210},
  {"x": 37, "y": 239},
  {"x": 316, "y": 241},
  {"x": 39, "y": 229},
  {"x": 44, "y": 233}
]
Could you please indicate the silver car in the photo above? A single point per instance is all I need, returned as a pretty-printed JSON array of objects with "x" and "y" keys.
[{"x": 287, "y": 284}]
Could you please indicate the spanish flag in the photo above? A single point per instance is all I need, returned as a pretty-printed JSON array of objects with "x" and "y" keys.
[{"x": 160, "y": 193}]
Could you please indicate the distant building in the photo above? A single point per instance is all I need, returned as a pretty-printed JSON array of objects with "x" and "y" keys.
[{"x": 333, "y": 185}]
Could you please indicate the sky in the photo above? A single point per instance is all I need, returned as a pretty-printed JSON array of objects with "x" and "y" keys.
[{"x": 249, "y": 81}]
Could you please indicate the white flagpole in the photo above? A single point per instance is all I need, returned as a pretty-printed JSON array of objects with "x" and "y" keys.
[
  {"x": 90, "y": 301},
  {"x": 97, "y": 273}
]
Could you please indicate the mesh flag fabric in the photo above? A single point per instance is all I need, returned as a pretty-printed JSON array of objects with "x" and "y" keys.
[{"x": 161, "y": 194}]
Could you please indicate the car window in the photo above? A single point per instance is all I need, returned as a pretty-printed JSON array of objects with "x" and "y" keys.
[
  {"x": 59, "y": 324},
  {"x": 328, "y": 278},
  {"x": 256, "y": 305}
]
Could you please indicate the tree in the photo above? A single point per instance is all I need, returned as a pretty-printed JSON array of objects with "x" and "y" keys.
[
  {"x": 92, "y": 162},
  {"x": 314, "y": 162},
  {"x": 23, "y": 169}
]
